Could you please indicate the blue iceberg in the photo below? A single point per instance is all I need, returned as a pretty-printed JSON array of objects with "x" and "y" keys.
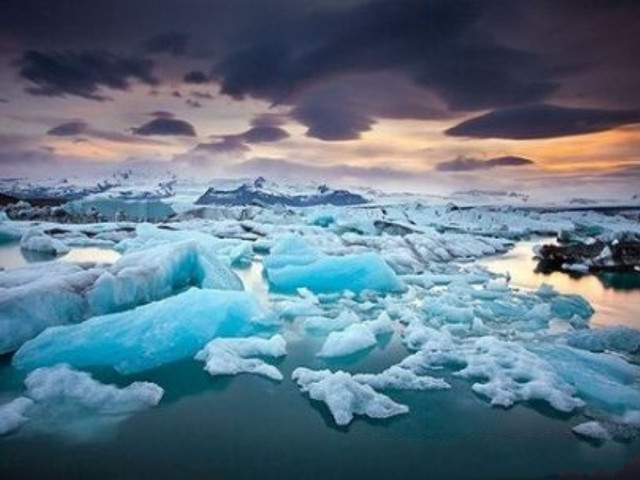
[
  {"x": 292, "y": 265},
  {"x": 146, "y": 337}
]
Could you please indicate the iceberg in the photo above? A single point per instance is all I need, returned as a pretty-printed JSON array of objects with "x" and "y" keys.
[
  {"x": 13, "y": 414},
  {"x": 618, "y": 339},
  {"x": 40, "y": 296},
  {"x": 604, "y": 380},
  {"x": 232, "y": 252},
  {"x": 381, "y": 325},
  {"x": 155, "y": 273},
  {"x": 146, "y": 337},
  {"x": 230, "y": 356},
  {"x": 38, "y": 241},
  {"x": 344, "y": 396},
  {"x": 292, "y": 265},
  {"x": 353, "y": 339},
  {"x": 59, "y": 293}
]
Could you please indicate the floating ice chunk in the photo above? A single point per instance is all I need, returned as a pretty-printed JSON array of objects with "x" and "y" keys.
[
  {"x": 228, "y": 356},
  {"x": 592, "y": 430},
  {"x": 504, "y": 372},
  {"x": 546, "y": 291},
  {"x": 619, "y": 339},
  {"x": 39, "y": 296},
  {"x": 355, "y": 272},
  {"x": 324, "y": 324},
  {"x": 241, "y": 255},
  {"x": 230, "y": 251},
  {"x": 398, "y": 378},
  {"x": 13, "y": 414},
  {"x": 600, "y": 378},
  {"x": 417, "y": 336},
  {"x": 292, "y": 264},
  {"x": 155, "y": 273},
  {"x": 63, "y": 385},
  {"x": 448, "y": 309},
  {"x": 8, "y": 233},
  {"x": 381, "y": 325},
  {"x": 353, "y": 339},
  {"x": 38, "y": 241},
  {"x": 568, "y": 307},
  {"x": 299, "y": 307},
  {"x": 290, "y": 250},
  {"x": 344, "y": 396},
  {"x": 514, "y": 374},
  {"x": 146, "y": 337}
]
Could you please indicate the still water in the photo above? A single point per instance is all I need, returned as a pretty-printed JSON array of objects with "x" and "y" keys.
[
  {"x": 247, "y": 427},
  {"x": 614, "y": 296}
]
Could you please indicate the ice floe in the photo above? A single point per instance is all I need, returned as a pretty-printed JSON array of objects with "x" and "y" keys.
[
  {"x": 344, "y": 396},
  {"x": 231, "y": 356}
]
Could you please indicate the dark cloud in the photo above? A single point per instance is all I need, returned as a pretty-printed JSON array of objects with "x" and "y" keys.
[
  {"x": 161, "y": 114},
  {"x": 76, "y": 128},
  {"x": 466, "y": 164},
  {"x": 269, "y": 120},
  {"x": 83, "y": 74},
  {"x": 263, "y": 134},
  {"x": 196, "y": 77},
  {"x": 166, "y": 126},
  {"x": 68, "y": 129},
  {"x": 172, "y": 43},
  {"x": 341, "y": 65},
  {"x": 226, "y": 145},
  {"x": 542, "y": 121}
]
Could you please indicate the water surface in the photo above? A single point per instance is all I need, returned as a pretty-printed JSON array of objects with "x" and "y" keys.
[
  {"x": 614, "y": 296},
  {"x": 247, "y": 427}
]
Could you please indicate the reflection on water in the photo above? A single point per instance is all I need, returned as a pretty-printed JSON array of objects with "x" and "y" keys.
[
  {"x": 91, "y": 254},
  {"x": 12, "y": 256},
  {"x": 615, "y": 297},
  {"x": 253, "y": 279}
]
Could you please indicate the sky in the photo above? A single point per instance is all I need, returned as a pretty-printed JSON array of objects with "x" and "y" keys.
[{"x": 393, "y": 94}]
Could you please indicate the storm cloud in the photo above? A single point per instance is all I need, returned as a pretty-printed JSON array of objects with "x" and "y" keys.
[
  {"x": 543, "y": 121},
  {"x": 166, "y": 126},
  {"x": 83, "y": 74}
]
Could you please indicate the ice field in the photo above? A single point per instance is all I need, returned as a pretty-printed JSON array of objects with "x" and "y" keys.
[{"x": 394, "y": 325}]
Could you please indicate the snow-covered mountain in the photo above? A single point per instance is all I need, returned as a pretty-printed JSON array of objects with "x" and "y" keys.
[{"x": 259, "y": 192}]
